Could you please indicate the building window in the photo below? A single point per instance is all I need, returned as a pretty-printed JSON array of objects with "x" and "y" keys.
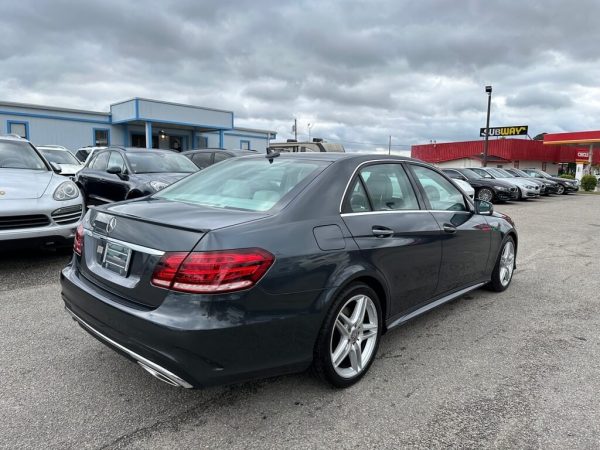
[
  {"x": 202, "y": 142},
  {"x": 18, "y": 128},
  {"x": 101, "y": 137},
  {"x": 245, "y": 145}
]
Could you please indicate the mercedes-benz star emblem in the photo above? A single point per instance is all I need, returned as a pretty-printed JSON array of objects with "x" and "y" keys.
[{"x": 112, "y": 223}]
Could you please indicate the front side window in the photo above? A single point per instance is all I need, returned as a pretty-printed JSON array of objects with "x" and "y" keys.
[
  {"x": 388, "y": 188},
  {"x": 100, "y": 162},
  {"x": 255, "y": 184},
  {"x": 439, "y": 191},
  {"x": 154, "y": 162},
  {"x": 101, "y": 137},
  {"x": 116, "y": 160},
  {"x": 19, "y": 155}
]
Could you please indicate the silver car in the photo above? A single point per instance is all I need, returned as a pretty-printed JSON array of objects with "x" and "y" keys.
[{"x": 38, "y": 207}]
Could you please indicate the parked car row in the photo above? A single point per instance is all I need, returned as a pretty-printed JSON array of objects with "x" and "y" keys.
[{"x": 500, "y": 185}]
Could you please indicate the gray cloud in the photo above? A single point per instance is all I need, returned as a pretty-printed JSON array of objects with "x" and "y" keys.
[{"x": 358, "y": 71}]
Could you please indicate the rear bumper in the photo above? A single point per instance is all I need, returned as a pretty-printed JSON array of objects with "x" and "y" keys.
[{"x": 195, "y": 341}]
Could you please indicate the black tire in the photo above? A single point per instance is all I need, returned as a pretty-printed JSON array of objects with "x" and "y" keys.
[
  {"x": 496, "y": 284},
  {"x": 560, "y": 189},
  {"x": 487, "y": 193},
  {"x": 322, "y": 361}
]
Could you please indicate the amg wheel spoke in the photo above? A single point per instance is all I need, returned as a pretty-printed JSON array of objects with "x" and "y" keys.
[
  {"x": 342, "y": 328},
  {"x": 340, "y": 352},
  {"x": 358, "y": 315},
  {"x": 356, "y": 357}
]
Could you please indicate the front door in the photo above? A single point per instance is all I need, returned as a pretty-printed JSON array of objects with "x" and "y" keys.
[
  {"x": 466, "y": 235},
  {"x": 396, "y": 236}
]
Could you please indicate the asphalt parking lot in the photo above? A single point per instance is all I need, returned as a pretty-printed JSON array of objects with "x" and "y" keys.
[{"x": 519, "y": 369}]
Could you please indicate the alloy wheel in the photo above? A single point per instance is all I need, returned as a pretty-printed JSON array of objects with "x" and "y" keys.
[
  {"x": 560, "y": 189},
  {"x": 354, "y": 336},
  {"x": 507, "y": 263},
  {"x": 485, "y": 195}
]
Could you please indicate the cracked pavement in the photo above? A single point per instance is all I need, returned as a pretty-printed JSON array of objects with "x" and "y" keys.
[{"x": 520, "y": 369}]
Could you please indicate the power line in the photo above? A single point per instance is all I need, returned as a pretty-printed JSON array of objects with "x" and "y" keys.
[{"x": 342, "y": 141}]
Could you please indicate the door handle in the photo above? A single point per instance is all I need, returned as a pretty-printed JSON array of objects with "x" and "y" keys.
[
  {"x": 449, "y": 228},
  {"x": 382, "y": 232}
]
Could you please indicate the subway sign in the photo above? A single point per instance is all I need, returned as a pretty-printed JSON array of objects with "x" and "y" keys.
[{"x": 506, "y": 131}]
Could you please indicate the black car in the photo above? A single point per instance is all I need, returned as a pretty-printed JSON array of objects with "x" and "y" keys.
[
  {"x": 549, "y": 186},
  {"x": 486, "y": 189},
  {"x": 267, "y": 264},
  {"x": 209, "y": 156},
  {"x": 119, "y": 173},
  {"x": 564, "y": 185}
]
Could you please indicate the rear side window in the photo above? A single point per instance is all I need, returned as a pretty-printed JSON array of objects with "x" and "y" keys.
[
  {"x": 388, "y": 188},
  {"x": 100, "y": 162},
  {"x": 441, "y": 193},
  {"x": 251, "y": 184}
]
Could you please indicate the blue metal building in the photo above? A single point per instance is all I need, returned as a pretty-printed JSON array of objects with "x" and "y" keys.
[{"x": 137, "y": 122}]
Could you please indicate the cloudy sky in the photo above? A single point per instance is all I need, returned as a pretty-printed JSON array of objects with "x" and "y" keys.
[{"x": 357, "y": 71}]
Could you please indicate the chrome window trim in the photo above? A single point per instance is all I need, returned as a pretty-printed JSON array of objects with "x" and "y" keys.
[
  {"x": 136, "y": 247},
  {"x": 404, "y": 211},
  {"x": 395, "y": 161},
  {"x": 469, "y": 200}
]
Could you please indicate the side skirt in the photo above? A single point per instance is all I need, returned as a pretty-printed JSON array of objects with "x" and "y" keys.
[{"x": 429, "y": 306}]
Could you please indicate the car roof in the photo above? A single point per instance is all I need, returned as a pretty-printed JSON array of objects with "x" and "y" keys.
[
  {"x": 12, "y": 137},
  {"x": 331, "y": 156}
]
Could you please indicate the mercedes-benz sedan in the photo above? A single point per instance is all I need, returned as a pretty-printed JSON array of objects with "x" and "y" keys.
[{"x": 270, "y": 264}]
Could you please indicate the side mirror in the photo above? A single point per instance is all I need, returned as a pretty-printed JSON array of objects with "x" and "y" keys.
[
  {"x": 55, "y": 167},
  {"x": 115, "y": 170},
  {"x": 484, "y": 208}
]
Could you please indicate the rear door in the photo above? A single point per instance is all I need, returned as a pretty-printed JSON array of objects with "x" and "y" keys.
[
  {"x": 466, "y": 235},
  {"x": 396, "y": 236}
]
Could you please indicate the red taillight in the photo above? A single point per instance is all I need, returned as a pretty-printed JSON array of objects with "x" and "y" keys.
[
  {"x": 212, "y": 272},
  {"x": 78, "y": 241}
]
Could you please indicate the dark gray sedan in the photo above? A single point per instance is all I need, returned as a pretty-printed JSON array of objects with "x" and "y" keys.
[{"x": 270, "y": 264}]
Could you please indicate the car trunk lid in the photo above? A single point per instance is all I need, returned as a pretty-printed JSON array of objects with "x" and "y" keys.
[{"x": 124, "y": 242}]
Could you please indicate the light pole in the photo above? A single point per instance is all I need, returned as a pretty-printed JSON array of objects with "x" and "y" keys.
[
  {"x": 309, "y": 127},
  {"x": 488, "y": 90}
]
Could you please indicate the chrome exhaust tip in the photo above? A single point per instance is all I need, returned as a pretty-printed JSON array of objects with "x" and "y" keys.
[{"x": 162, "y": 377}]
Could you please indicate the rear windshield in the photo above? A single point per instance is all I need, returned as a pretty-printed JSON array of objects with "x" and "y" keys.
[
  {"x": 59, "y": 156},
  {"x": 255, "y": 184},
  {"x": 20, "y": 155},
  {"x": 152, "y": 162}
]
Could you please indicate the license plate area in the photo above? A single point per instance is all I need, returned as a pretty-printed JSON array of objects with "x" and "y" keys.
[{"x": 114, "y": 257}]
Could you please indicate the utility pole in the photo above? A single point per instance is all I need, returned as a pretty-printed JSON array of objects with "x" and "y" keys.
[
  {"x": 309, "y": 126},
  {"x": 488, "y": 90},
  {"x": 295, "y": 129},
  {"x": 390, "y": 146}
]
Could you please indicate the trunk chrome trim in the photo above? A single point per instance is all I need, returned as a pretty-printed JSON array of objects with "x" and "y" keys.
[
  {"x": 173, "y": 379},
  {"x": 429, "y": 306},
  {"x": 136, "y": 247}
]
